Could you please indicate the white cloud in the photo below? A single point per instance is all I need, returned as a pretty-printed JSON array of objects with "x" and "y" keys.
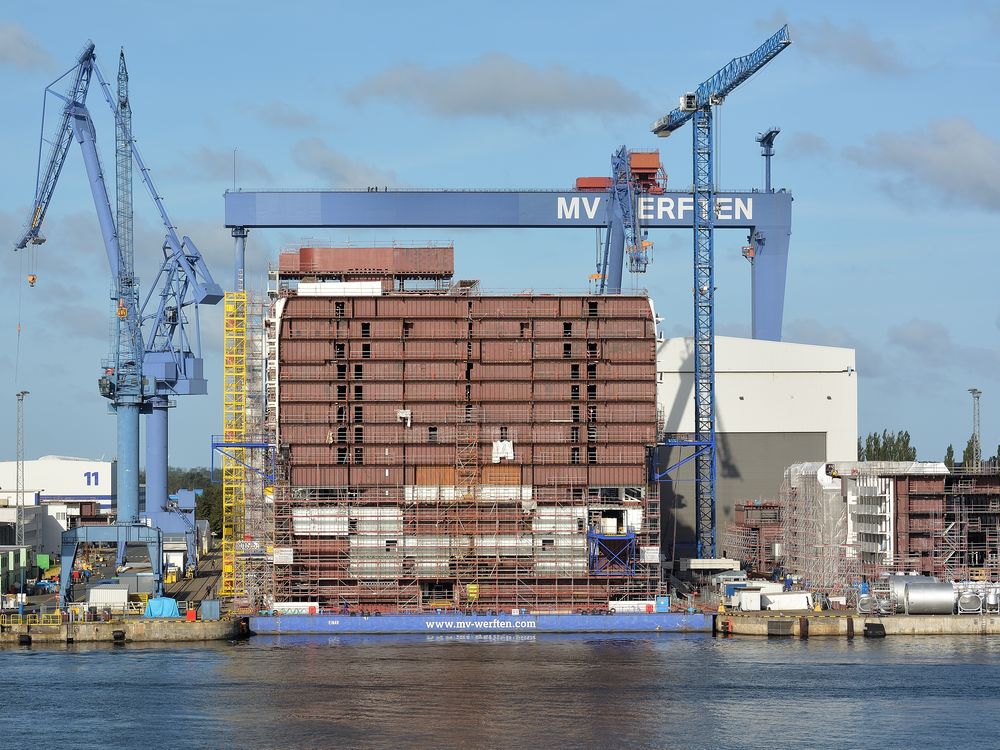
[
  {"x": 930, "y": 346},
  {"x": 20, "y": 50},
  {"x": 217, "y": 164},
  {"x": 850, "y": 46},
  {"x": 337, "y": 169},
  {"x": 869, "y": 360},
  {"x": 950, "y": 157},
  {"x": 281, "y": 114},
  {"x": 498, "y": 85},
  {"x": 804, "y": 145}
]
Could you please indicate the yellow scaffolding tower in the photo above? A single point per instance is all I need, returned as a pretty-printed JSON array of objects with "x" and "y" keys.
[{"x": 234, "y": 426}]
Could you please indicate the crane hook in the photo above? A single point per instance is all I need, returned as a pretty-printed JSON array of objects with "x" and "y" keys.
[
  {"x": 32, "y": 278},
  {"x": 122, "y": 310}
]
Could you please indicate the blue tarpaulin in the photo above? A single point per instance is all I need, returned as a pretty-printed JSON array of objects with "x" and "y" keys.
[{"x": 161, "y": 607}]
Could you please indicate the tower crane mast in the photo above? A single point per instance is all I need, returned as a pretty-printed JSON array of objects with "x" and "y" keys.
[{"x": 697, "y": 106}]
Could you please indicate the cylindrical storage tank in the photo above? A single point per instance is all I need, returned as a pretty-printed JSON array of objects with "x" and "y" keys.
[
  {"x": 929, "y": 599},
  {"x": 992, "y": 599},
  {"x": 898, "y": 584},
  {"x": 867, "y": 605},
  {"x": 970, "y": 603}
]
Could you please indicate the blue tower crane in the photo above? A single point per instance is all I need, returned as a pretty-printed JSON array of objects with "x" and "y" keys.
[
  {"x": 137, "y": 374},
  {"x": 697, "y": 106}
]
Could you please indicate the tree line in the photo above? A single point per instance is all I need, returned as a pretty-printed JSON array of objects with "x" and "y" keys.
[{"x": 895, "y": 446}]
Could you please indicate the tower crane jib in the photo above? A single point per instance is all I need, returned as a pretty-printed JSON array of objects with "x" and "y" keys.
[{"x": 697, "y": 106}]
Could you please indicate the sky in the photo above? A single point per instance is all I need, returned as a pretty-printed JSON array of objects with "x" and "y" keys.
[{"x": 890, "y": 144}]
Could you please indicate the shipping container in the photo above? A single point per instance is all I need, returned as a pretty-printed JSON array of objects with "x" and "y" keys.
[{"x": 108, "y": 596}]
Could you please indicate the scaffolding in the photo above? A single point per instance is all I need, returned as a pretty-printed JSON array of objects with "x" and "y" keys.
[
  {"x": 845, "y": 519},
  {"x": 752, "y": 536},
  {"x": 814, "y": 530},
  {"x": 255, "y": 556},
  {"x": 247, "y": 450},
  {"x": 234, "y": 425},
  {"x": 426, "y": 547},
  {"x": 948, "y": 524},
  {"x": 968, "y": 532},
  {"x": 455, "y": 449}
]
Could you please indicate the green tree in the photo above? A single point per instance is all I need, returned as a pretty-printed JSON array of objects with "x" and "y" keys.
[
  {"x": 949, "y": 457},
  {"x": 888, "y": 446},
  {"x": 209, "y": 505},
  {"x": 967, "y": 453}
]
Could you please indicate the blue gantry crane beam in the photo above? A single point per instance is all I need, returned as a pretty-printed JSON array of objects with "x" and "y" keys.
[
  {"x": 142, "y": 368},
  {"x": 763, "y": 215},
  {"x": 697, "y": 107}
]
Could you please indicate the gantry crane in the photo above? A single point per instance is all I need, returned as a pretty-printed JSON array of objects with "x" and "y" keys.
[
  {"x": 697, "y": 106},
  {"x": 137, "y": 375}
]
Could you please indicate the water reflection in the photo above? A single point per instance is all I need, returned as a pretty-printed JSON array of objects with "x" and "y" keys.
[{"x": 512, "y": 690}]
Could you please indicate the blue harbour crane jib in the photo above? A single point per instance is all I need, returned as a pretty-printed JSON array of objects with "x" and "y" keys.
[
  {"x": 697, "y": 107},
  {"x": 625, "y": 238},
  {"x": 138, "y": 374}
]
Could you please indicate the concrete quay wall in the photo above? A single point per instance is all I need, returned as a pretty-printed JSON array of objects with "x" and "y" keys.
[
  {"x": 815, "y": 624},
  {"x": 136, "y": 631}
]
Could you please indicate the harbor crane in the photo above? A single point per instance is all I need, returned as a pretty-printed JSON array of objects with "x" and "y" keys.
[
  {"x": 697, "y": 107},
  {"x": 624, "y": 239},
  {"x": 143, "y": 371}
]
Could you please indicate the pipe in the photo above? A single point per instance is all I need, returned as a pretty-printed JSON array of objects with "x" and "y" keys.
[
  {"x": 156, "y": 454},
  {"x": 616, "y": 253},
  {"x": 128, "y": 462},
  {"x": 240, "y": 257}
]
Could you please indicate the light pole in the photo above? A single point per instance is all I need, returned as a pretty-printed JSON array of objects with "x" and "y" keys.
[
  {"x": 977, "y": 447},
  {"x": 20, "y": 493}
]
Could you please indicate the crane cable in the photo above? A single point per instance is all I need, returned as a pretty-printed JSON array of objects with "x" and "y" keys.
[
  {"x": 32, "y": 276},
  {"x": 17, "y": 347},
  {"x": 717, "y": 134}
]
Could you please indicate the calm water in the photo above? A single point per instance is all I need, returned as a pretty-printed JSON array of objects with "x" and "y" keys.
[{"x": 666, "y": 691}]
